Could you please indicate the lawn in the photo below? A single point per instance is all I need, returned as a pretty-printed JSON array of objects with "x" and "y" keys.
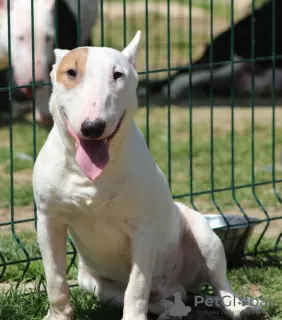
[
  {"x": 246, "y": 281},
  {"x": 186, "y": 160},
  {"x": 259, "y": 282},
  {"x": 169, "y": 39}
]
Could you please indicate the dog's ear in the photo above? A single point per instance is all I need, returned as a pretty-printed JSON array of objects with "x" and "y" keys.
[
  {"x": 59, "y": 54},
  {"x": 131, "y": 49}
]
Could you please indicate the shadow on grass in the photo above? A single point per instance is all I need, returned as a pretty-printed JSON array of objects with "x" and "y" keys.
[{"x": 263, "y": 261}]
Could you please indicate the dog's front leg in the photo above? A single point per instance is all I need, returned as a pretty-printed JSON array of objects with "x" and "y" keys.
[
  {"x": 52, "y": 242},
  {"x": 140, "y": 279}
]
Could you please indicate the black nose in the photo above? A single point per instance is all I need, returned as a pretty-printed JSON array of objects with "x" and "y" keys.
[{"x": 93, "y": 129}]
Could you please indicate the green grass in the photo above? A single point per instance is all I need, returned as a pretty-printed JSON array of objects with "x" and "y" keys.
[
  {"x": 181, "y": 155},
  {"x": 157, "y": 37},
  {"x": 13, "y": 305},
  {"x": 265, "y": 279},
  {"x": 16, "y": 305},
  {"x": 164, "y": 40},
  {"x": 263, "y": 282},
  {"x": 12, "y": 251},
  {"x": 200, "y": 155},
  {"x": 221, "y": 9}
]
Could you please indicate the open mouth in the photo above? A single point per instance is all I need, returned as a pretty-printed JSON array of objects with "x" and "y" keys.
[
  {"x": 27, "y": 92},
  {"x": 92, "y": 155},
  {"x": 107, "y": 139}
]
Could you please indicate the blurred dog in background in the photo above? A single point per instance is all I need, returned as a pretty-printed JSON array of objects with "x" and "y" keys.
[{"x": 47, "y": 14}]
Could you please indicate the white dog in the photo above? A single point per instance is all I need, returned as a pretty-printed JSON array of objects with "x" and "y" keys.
[
  {"x": 43, "y": 37},
  {"x": 96, "y": 177}
]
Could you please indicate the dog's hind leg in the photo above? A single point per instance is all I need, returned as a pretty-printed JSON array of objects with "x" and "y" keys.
[
  {"x": 199, "y": 240},
  {"x": 230, "y": 304},
  {"x": 233, "y": 307},
  {"x": 105, "y": 290}
]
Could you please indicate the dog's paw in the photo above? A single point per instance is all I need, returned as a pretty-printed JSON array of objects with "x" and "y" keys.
[
  {"x": 55, "y": 315},
  {"x": 253, "y": 313}
]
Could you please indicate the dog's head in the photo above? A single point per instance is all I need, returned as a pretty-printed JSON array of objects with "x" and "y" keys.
[
  {"x": 23, "y": 33},
  {"x": 94, "y": 89}
]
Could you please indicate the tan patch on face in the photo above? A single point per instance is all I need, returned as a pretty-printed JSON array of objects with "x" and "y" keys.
[{"x": 74, "y": 60}]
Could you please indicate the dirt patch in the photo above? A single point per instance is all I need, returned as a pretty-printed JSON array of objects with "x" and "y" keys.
[
  {"x": 221, "y": 117},
  {"x": 23, "y": 177},
  {"x": 274, "y": 229},
  {"x": 20, "y": 213}
]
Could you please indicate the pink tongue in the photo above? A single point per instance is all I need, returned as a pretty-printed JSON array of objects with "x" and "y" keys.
[
  {"x": 92, "y": 156},
  {"x": 27, "y": 92}
]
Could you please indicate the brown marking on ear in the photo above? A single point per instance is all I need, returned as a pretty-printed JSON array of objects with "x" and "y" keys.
[{"x": 76, "y": 60}]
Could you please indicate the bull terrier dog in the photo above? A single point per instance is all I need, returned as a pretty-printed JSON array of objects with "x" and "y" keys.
[
  {"x": 42, "y": 33},
  {"x": 96, "y": 178}
]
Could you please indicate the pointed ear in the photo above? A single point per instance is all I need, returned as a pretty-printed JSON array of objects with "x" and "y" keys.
[
  {"x": 59, "y": 54},
  {"x": 131, "y": 50}
]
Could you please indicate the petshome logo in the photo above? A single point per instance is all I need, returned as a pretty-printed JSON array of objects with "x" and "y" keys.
[
  {"x": 212, "y": 306},
  {"x": 179, "y": 309},
  {"x": 228, "y": 300}
]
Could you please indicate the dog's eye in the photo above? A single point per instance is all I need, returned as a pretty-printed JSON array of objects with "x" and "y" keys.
[
  {"x": 71, "y": 73},
  {"x": 117, "y": 75},
  {"x": 47, "y": 39}
]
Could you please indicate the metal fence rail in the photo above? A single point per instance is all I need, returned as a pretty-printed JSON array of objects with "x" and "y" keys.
[{"x": 169, "y": 44}]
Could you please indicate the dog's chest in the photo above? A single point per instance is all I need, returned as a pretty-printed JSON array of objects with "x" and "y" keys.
[
  {"x": 103, "y": 245},
  {"x": 98, "y": 219},
  {"x": 103, "y": 197}
]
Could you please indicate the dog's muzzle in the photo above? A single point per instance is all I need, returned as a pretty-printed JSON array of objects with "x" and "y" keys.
[{"x": 93, "y": 129}]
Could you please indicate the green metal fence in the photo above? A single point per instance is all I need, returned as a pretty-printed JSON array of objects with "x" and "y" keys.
[{"x": 215, "y": 158}]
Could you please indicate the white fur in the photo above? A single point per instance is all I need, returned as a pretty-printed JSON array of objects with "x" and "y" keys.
[
  {"x": 44, "y": 40},
  {"x": 133, "y": 240},
  {"x": 21, "y": 39}
]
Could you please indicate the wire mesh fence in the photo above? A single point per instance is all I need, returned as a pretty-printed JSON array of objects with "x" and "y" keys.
[{"x": 222, "y": 160}]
